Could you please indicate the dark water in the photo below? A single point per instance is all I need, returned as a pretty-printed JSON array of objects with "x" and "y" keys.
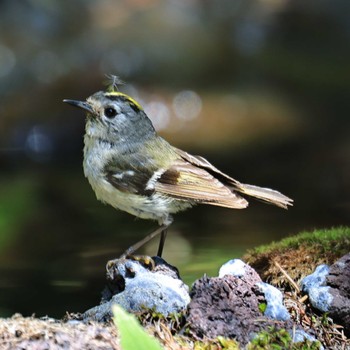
[{"x": 60, "y": 238}]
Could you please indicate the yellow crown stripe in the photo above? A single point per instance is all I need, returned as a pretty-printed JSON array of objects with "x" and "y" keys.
[{"x": 130, "y": 99}]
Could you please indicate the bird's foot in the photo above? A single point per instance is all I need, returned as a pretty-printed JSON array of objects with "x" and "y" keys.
[{"x": 118, "y": 267}]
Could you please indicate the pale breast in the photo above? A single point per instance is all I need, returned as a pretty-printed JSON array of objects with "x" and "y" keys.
[{"x": 156, "y": 207}]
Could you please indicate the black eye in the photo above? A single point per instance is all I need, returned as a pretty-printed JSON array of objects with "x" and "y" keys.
[{"x": 110, "y": 112}]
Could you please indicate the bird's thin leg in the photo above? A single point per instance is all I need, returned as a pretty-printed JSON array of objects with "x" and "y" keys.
[
  {"x": 162, "y": 241},
  {"x": 143, "y": 241}
]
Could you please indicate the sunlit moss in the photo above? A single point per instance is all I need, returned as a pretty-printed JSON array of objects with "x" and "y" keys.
[
  {"x": 279, "y": 340},
  {"x": 299, "y": 255},
  {"x": 324, "y": 237}
]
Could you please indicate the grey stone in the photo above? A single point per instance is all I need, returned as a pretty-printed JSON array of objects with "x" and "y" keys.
[
  {"x": 338, "y": 280},
  {"x": 234, "y": 267},
  {"x": 274, "y": 301},
  {"x": 321, "y": 298},
  {"x": 313, "y": 285},
  {"x": 329, "y": 290},
  {"x": 153, "y": 291},
  {"x": 140, "y": 289},
  {"x": 300, "y": 335},
  {"x": 316, "y": 279}
]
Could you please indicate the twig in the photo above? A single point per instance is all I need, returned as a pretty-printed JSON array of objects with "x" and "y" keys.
[
  {"x": 303, "y": 299},
  {"x": 296, "y": 287}
]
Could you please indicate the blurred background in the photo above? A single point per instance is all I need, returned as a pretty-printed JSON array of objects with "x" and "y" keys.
[{"x": 259, "y": 87}]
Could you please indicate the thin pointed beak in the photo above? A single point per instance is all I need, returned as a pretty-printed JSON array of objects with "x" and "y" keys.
[{"x": 80, "y": 104}]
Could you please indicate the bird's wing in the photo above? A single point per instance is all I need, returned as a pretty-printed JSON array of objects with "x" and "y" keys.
[
  {"x": 186, "y": 181},
  {"x": 265, "y": 194},
  {"x": 130, "y": 176},
  {"x": 181, "y": 180}
]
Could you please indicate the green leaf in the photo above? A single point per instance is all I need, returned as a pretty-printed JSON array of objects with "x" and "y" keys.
[
  {"x": 262, "y": 307},
  {"x": 132, "y": 335}
]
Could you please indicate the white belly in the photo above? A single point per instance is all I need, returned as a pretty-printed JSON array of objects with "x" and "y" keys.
[{"x": 156, "y": 207}]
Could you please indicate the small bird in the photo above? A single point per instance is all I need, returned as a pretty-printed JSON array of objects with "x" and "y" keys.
[{"x": 132, "y": 168}]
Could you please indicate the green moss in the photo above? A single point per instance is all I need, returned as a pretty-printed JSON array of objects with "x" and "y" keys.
[
  {"x": 262, "y": 307},
  {"x": 220, "y": 343},
  {"x": 299, "y": 255},
  {"x": 275, "y": 339},
  {"x": 270, "y": 339},
  {"x": 325, "y": 238}
]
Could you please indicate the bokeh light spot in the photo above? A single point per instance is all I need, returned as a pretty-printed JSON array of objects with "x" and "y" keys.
[
  {"x": 38, "y": 145},
  {"x": 187, "y": 105},
  {"x": 7, "y": 60},
  {"x": 159, "y": 114}
]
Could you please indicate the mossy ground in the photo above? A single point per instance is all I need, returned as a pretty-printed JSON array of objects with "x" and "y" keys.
[{"x": 298, "y": 256}]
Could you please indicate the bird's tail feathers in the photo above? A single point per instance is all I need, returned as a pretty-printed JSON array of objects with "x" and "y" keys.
[{"x": 265, "y": 194}]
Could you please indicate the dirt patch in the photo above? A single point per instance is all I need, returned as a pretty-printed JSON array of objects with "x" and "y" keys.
[{"x": 18, "y": 333}]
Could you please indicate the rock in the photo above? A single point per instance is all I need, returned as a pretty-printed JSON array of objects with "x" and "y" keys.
[
  {"x": 339, "y": 275},
  {"x": 229, "y": 305},
  {"x": 238, "y": 268},
  {"x": 316, "y": 279},
  {"x": 338, "y": 280},
  {"x": 319, "y": 295},
  {"x": 321, "y": 298},
  {"x": 300, "y": 335},
  {"x": 274, "y": 302},
  {"x": 328, "y": 289},
  {"x": 273, "y": 297},
  {"x": 138, "y": 288},
  {"x": 235, "y": 267}
]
